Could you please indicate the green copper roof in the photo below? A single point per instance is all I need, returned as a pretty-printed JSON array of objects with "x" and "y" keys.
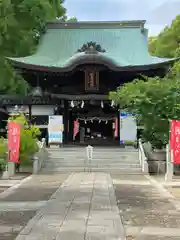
[{"x": 125, "y": 45}]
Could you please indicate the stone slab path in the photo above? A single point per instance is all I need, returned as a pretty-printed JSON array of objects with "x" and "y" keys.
[{"x": 84, "y": 207}]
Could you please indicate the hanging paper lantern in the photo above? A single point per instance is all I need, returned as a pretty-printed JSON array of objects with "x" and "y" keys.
[
  {"x": 82, "y": 104},
  {"x": 112, "y": 103},
  {"x": 102, "y": 104},
  {"x": 72, "y": 104}
]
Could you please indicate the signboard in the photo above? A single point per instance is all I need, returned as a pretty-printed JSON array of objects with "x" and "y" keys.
[
  {"x": 13, "y": 142},
  {"x": 175, "y": 141},
  {"x": 128, "y": 127},
  {"x": 55, "y": 129}
]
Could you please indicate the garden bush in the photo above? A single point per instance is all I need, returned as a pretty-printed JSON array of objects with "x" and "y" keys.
[
  {"x": 3, "y": 154},
  {"x": 28, "y": 139}
]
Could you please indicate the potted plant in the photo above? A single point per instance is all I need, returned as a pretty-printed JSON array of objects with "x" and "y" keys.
[{"x": 129, "y": 143}]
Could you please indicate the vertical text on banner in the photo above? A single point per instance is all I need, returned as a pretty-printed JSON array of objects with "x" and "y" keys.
[
  {"x": 175, "y": 141},
  {"x": 13, "y": 141}
]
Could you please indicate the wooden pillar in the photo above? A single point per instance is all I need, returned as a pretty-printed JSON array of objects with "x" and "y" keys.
[
  {"x": 118, "y": 117},
  {"x": 66, "y": 118},
  {"x": 30, "y": 113},
  {"x": 71, "y": 126}
]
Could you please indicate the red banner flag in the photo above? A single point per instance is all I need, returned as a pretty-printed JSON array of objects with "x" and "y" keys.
[
  {"x": 116, "y": 128},
  {"x": 13, "y": 142},
  {"x": 76, "y": 128},
  {"x": 175, "y": 141}
]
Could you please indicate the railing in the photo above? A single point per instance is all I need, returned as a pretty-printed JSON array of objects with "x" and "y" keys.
[
  {"x": 142, "y": 158},
  {"x": 39, "y": 157}
]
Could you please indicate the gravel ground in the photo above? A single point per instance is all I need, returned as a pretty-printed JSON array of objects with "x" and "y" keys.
[
  {"x": 131, "y": 177},
  {"x": 12, "y": 222},
  {"x": 143, "y": 206},
  {"x": 175, "y": 191},
  {"x": 39, "y": 188},
  {"x": 3, "y": 188},
  {"x": 146, "y": 237}
]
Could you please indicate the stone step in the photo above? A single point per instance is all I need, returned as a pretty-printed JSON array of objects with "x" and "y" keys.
[
  {"x": 95, "y": 151},
  {"x": 52, "y": 165},
  {"x": 112, "y": 160},
  {"x": 81, "y": 169},
  {"x": 102, "y": 158},
  {"x": 74, "y": 159},
  {"x": 105, "y": 156}
]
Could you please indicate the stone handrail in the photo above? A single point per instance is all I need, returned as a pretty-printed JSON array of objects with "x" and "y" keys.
[
  {"x": 39, "y": 157},
  {"x": 142, "y": 158}
]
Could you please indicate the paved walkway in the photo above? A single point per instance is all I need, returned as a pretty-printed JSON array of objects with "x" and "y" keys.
[{"x": 84, "y": 207}]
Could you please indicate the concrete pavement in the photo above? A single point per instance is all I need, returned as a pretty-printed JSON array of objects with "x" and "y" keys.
[{"x": 84, "y": 207}]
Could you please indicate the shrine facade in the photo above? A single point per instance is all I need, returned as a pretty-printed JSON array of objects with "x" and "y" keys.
[{"x": 75, "y": 67}]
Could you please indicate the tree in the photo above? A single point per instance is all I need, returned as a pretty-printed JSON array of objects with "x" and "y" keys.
[
  {"x": 154, "y": 101},
  {"x": 72, "y": 19},
  {"x": 21, "y": 24},
  {"x": 167, "y": 42}
]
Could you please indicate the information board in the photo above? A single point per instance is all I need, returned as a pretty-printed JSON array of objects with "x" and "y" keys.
[
  {"x": 128, "y": 127},
  {"x": 55, "y": 129}
]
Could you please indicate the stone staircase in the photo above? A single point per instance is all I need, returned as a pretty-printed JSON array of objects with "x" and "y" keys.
[{"x": 105, "y": 159}]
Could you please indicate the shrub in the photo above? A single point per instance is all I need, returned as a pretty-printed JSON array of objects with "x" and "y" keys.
[
  {"x": 154, "y": 101},
  {"x": 3, "y": 154},
  {"x": 28, "y": 139}
]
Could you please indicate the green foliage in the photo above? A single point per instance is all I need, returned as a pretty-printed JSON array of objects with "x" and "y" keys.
[
  {"x": 73, "y": 19},
  {"x": 28, "y": 139},
  {"x": 154, "y": 101},
  {"x": 3, "y": 154},
  {"x": 167, "y": 42},
  {"x": 130, "y": 143},
  {"x": 21, "y": 24}
]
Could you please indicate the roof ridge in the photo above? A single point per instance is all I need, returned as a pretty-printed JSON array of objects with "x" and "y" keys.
[{"x": 96, "y": 24}]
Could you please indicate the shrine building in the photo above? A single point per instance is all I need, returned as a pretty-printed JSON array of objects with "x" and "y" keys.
[{"x": 75, "y": 67}]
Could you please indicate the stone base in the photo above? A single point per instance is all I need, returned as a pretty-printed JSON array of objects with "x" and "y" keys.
[
  {"x": 5, "y": 175},
  {"x": 157, "y": 167},
  {"x": 24, "y": 169}
]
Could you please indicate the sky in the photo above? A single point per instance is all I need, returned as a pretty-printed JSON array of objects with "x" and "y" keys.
[{"x": 157, "y": 13}]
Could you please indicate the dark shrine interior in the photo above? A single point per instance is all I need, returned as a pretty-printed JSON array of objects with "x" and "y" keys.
[{"x": 73, "y": 82}]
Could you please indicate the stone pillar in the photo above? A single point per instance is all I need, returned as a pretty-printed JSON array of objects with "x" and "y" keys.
[
  {"x": 169, "y": 165},
  {"x": 11, "y": 169}
]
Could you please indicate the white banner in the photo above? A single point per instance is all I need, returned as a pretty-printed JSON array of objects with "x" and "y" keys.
[
  {"x": 55, "y": 129},
  {"x": 128, "y": 127}
]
